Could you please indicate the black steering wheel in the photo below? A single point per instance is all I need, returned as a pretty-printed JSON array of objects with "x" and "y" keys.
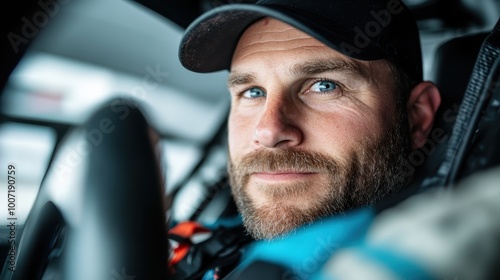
[{"x": 100, "y": 212}]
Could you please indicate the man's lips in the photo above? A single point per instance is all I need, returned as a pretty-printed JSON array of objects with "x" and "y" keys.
[{"x": 282, "y": 175}]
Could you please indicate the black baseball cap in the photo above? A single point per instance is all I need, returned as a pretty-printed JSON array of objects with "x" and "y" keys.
[{"x": 361, "y": 29}]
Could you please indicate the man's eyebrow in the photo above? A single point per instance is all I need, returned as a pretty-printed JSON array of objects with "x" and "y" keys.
[
  {"x": 307, "y": 68},
  {"x": 236, "y": 79},
  {"x": 330, "y": 65}
]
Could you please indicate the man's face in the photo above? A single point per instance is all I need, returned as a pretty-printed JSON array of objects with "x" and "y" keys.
[{"x": 311, "y": 132}]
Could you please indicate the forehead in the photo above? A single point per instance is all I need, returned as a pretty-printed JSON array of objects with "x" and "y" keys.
[
  {"x": 273, "y": 43},
  {"x": 272, "y": 35},
  {"x": 271, "y": 29}
]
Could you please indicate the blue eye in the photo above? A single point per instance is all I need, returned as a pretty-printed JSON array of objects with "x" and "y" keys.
[
  {"x": 254, "y": 93},
  {"x": 323, "y": 86}
]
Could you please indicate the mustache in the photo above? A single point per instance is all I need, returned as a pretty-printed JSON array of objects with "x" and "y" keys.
[{"x": 285, "y": 160}]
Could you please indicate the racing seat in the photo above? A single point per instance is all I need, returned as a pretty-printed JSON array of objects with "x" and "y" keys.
[
  {"x": 452, "y": 69},
  {"x": 472, "y": 145}
]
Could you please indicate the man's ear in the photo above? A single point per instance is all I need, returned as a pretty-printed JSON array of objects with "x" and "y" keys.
[{"x": 422, "y": 106}]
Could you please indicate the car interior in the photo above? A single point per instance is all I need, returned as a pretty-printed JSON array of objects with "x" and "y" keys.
[{"x": 114, "y": 141}]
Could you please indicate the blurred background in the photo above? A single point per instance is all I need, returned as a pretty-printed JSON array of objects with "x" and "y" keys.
[{"x": 64, "y": 59}]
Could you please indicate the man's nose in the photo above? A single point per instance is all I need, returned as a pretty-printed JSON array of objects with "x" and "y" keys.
[{"x": 277, "y": 126}]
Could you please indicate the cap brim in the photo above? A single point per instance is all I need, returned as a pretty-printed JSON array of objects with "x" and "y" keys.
[{"x": 209, "y": 42}]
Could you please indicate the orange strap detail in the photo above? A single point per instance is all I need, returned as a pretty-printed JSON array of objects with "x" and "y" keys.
[{"x": 184, "y": 230}]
